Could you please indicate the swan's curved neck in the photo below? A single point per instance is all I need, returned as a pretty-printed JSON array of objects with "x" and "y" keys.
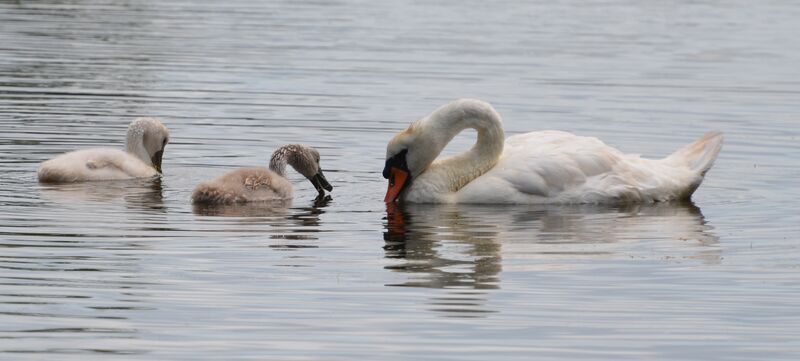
[
  {"x": 456, "y": 171},
  {"x": 134, "y": 144}
]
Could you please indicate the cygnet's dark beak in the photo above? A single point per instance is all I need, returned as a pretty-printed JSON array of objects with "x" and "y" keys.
[
  {"x": 157, "y": 160},
  {"x": 320, "y": 183}
]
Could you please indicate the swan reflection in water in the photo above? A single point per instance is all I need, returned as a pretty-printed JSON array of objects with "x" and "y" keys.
[{"x": 461, "y": 247}]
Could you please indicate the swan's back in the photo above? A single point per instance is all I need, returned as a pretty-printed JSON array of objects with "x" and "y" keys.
[
  {"x": 243, "y": 185},
  {"x": 94, "y": 164},
  {"x": 559, "y": 167}
]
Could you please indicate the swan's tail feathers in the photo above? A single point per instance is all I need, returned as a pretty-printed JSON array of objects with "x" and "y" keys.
[{"x": 700, "y": 155}]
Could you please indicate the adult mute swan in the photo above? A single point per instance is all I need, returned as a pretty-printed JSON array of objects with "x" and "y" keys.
[
  {"x": 144, "y": 148},
  {"x": 261, "y": 184},
  {"x": 537, "y": 167}
]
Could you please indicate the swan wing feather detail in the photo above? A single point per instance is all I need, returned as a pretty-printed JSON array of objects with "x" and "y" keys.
[
  {"x": 559, "y": 167},
  {"x": 538, "y": 166}
]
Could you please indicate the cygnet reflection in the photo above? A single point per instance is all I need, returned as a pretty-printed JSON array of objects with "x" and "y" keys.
[{"x": 137, "y": 194}]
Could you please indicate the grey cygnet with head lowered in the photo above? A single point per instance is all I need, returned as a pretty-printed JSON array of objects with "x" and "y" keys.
[{"x": 256, "y": 184}]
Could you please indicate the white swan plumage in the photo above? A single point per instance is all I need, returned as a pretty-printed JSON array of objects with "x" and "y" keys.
[
  {"x": 145, "y": 141},
  {"x": 260, "y": 184},
  {"x": 532, "y": 168}
]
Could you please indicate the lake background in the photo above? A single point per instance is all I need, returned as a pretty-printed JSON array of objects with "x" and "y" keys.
[{"x": 130, "y": 270}]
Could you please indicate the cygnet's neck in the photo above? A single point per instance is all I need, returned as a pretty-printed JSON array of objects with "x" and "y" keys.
[
  {"x": 134, "y": 143},
  {"x": 288, "y": 154}
]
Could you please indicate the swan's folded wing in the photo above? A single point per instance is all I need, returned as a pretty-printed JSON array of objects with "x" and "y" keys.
[
  {"x": 106, "y": 163},
  {"x": 541, "y": 167},
  {"x": 99, "y": 162}
]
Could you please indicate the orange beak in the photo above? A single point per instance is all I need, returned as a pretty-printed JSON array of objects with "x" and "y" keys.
[
  {"x": 394, "y": 216},
  {"x": 397, "y": 180}
]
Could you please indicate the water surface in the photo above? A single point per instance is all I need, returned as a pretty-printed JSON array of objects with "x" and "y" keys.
[{"x": 132, "y": 270}]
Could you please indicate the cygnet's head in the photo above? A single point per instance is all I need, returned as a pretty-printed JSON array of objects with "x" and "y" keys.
[
  {"x": 146, "y": 139},
  {"x": 305, "y": 160}
]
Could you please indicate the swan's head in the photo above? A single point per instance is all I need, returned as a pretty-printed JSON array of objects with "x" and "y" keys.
[
  {"x": 408, "y": 154},
  {"x": 305, "y": 160},
  {"x": 411, "y": 152},
  {"x": 147, "y": 138}
]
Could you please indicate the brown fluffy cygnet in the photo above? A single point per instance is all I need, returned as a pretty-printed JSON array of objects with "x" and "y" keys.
[{"x": 261, "y": 184}]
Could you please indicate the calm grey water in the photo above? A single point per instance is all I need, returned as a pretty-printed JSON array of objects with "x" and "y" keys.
[{"x": 130, "y": 270}]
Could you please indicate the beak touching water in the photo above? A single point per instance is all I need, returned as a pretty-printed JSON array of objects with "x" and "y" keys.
[
  {"x": 157, "y": 160},
  {"x": 320, "y": 183},
  {"x": 397, "y": 181}
]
